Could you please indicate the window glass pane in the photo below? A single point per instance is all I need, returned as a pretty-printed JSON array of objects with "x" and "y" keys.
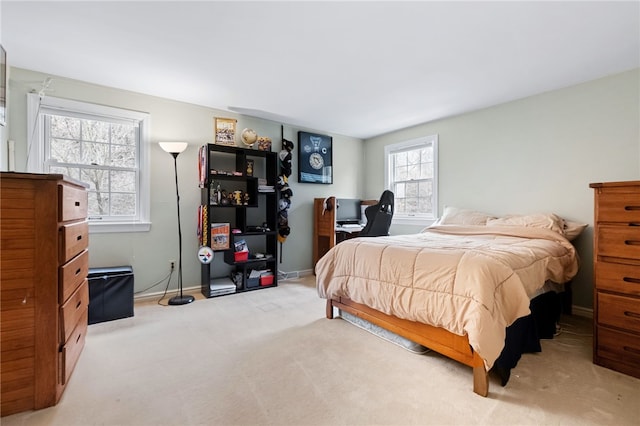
[
  {"x": 123, "y": 156},
  {"x": 95, "y": 153},
  {"x": 413, "y": 157},
  {"x": 399, "y": 190},
  {"x": 427, "y": 154},
  {"x": 65, "y": 150},
  {"x": 413, "y": 171},
  {"x": 65, "y": 127},
  {"x": 98, "y": 179},
  {"x": 123, "y": 134},
  {"x": 98, "y": 204},
  {"x": 399, "y": 205},
  {"x": 401, "y": 159},
  {"x": 411, "y": 205},
  {"x": 123, "y": 204},
  {"x": 412, "y": 189},
  {"x": 401, "y": 173},
  {"x": 97, "y": 131},
  {"x": 425, "y": 205},
  {"x": 426, "y": 170},
  {"x": 123, "y": 181}
]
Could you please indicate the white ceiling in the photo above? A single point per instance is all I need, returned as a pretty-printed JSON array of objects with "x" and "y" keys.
[{"x": 353, "y": 68}]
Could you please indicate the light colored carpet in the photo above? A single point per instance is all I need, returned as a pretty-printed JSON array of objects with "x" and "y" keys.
[{"x": 270, "y": 357}]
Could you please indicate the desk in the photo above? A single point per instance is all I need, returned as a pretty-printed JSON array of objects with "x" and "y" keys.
[{"x": 326, "y": 233}]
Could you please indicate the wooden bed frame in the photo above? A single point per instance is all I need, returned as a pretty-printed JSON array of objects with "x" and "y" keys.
[{"x": 438, "y": 339}]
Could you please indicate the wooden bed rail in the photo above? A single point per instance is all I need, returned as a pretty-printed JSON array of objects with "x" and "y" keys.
[{"x": 438, "y": 339}]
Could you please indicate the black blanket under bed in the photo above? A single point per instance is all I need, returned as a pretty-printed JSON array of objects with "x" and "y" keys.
[{"x": 523, "y": 336}]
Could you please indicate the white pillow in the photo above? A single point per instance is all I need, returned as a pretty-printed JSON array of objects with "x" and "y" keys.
[
  {"x": 537, "y": 220},
  {"x": 456, "y": 216},
  {"x": 573, "y": 229}
]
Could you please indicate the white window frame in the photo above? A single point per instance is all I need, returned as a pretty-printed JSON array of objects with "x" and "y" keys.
[
  {"x": 424, "y": 219},
  {"x": 38, "y": 105}
]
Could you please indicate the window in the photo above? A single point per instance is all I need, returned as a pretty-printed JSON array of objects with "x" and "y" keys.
[
  {"x": 411, "y": 173},
  {"x": 104, "y": 147}
]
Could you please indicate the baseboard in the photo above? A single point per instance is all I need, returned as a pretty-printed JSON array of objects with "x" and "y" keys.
[
  {"x": 581, "y": 311},
  {"x": 283, "y": 276}
]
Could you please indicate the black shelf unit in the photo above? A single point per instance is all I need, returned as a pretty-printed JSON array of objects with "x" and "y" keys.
[{"x": 261, "y": 209}]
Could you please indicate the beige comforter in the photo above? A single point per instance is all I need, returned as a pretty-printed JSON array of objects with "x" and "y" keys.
[{"x": 469, "y": 280}]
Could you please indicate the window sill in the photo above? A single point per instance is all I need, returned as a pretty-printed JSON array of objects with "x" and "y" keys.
[{"x": 115, "y": 227}]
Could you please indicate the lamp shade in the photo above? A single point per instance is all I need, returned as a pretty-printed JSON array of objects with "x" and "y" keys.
[{"x": 173, "y": 147}]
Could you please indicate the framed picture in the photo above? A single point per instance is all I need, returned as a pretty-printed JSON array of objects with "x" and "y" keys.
[
  {"x": 3, "y": 86},
  {"x": 315, "y": 158},
  {"x": 225, "y": 130},
  {"x": 219, "y": 236}
]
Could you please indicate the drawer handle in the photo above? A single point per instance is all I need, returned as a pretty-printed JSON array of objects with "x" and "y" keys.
[
  {"x": 631, "y": 280},
  {"x": 80, "y": 304},
  {"x": 632, "y": 350},
  {"x": 632, "y": 314},
  {"x": 80, "y": 269},
  {"x": 79, "y": 237},
  {"x": 632, "y": 242},
  {"x": 631, "y": 208},
  {"x": 77, "y": 203},
  {"x": 634, "y": 224},
  {"x": 79, "y": 336}
]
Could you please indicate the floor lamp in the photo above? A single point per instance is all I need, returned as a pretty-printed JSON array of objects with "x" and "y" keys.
[{"x": 175, "y": 148}]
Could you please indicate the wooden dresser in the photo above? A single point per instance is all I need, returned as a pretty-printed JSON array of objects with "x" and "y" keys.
[
  {"x": 616, "y": 313},
  {"x": 43, "y": 287}
]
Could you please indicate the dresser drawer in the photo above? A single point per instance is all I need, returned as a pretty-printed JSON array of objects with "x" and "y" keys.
[
  {"x": 620, "y": 347},
  {"x": 618, "y": 277},
  {"x": 619, "y": 241},
  {"x": 72, "y": 349},
  {"x": 72, "y": 274},
  {"x": 619, "y": 311},
  {"x": 73, "y": 203},
  {"x": 619, "y": 207},
  {"x": 72, "y": 310},
  {"x": 74, "y": 238}
]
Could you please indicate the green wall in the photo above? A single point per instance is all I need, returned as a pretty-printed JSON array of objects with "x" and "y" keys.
[{"x": 537, "y": 154}]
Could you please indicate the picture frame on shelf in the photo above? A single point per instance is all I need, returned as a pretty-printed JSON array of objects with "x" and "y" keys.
[
  {"x": 315, "y": 158},
  {"x": 225, "y": 131}
]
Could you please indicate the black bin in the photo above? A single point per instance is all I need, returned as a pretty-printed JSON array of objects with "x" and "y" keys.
[{"x": 110, "y": 293}]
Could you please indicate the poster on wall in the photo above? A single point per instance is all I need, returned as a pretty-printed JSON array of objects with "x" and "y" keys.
[
  {"x": 225, "y": 131},
  {"x": 315, "y": 158}
]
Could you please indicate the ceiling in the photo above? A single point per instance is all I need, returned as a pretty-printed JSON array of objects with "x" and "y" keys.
[{"x": 353, "y": 68}]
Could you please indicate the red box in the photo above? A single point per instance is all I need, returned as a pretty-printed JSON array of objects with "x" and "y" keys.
[
  {"x": 266, "y": 279},
  {"x": 241, "y": 256}
]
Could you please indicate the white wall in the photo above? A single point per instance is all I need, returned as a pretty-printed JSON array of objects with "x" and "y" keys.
[
  {"x": 149, "y": 252},
  {"x": 538, "y": 154},
  {"x": 3, "y": 131}
]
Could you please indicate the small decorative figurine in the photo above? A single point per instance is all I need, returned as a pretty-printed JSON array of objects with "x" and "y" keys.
[
  {"x": 237, "y": 198},
  {"x": 246, "y": 197},
  {"x": 224, "y": 200}
]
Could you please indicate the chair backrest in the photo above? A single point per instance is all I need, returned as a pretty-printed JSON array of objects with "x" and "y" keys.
[{"x": 379, "y": 216}]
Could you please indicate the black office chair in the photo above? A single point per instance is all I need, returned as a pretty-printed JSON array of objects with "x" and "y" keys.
[{"x": 379, "y": 217}]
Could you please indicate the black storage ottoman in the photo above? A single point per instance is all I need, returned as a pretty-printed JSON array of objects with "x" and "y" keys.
[{"x": 110, "y": 293}]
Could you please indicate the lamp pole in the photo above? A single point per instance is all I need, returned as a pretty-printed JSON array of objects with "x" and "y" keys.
[{"x": 175, "y": 148}]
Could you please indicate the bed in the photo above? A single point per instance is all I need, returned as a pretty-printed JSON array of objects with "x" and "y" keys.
[{"x": 456, "y": 287}]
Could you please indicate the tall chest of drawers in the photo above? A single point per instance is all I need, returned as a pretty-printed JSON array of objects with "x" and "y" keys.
[
  {"x": 616, "y": 313},
  {"x": 43, "y": 287}
]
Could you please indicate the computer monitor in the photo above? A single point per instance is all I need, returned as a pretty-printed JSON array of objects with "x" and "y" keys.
[{"x": 348, "y": 210}]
